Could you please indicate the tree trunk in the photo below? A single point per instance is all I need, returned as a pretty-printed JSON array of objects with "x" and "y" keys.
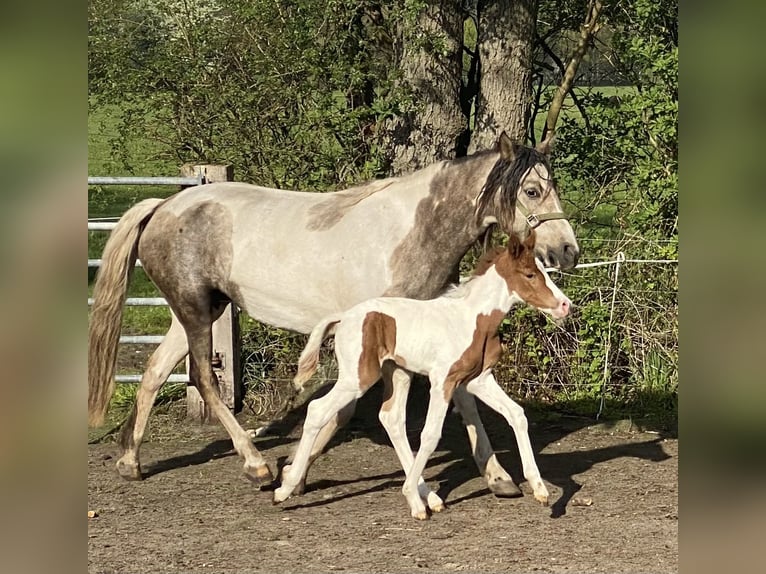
[
  {"x": 505, "y": 40},
  {"x": 431, "y": 63}
]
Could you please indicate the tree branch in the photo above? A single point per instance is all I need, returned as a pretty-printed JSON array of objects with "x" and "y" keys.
[{"x": 587, "y": 31}]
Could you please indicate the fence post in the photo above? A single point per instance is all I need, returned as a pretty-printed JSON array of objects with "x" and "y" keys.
[{"x": 226, "y": 351}]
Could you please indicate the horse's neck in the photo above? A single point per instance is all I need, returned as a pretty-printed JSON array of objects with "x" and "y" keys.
[
  {"x": 487, "y": 293},
  {"x": 444, "y": 229}
]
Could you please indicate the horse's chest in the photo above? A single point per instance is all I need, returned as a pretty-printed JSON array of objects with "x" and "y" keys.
[{"x": 482, "y": 354}]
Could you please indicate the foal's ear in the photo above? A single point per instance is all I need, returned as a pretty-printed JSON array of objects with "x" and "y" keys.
[
  {"x": 506, "y": 147},
  {"x": 515, "y": 246},
  {"x": 545, "y": 147},
  {"x": 529, "y": 242}
]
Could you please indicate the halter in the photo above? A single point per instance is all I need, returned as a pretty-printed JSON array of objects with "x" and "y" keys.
[{"x": 534, "y": 219}]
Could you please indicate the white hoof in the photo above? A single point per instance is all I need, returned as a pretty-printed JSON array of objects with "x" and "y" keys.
[{"x": 435, "y": 503}]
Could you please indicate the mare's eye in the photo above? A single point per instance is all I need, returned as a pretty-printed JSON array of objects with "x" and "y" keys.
[
  {"x": 532, "y": 192},
  {"x": 530, "y": 275}
]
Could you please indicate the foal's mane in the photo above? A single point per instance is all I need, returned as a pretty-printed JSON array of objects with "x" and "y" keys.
[
  {"x": 487, "y": 259},
  {"x": 505, "y": 177}
]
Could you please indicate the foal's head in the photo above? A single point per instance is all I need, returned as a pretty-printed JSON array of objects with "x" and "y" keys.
[{"x": 526, "y": 277}]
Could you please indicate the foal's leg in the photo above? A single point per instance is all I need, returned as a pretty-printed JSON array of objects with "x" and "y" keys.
[
  {"x": 325, "y": 434},
  {"x": 429, "y": 439},
  {"x": 393, "y": 416},
  {"x": 319, "y": 413},
  {"x": 499, "y": 481},
  {"x": 486, "y": 388},
  {"x": 170, "y": 351}
]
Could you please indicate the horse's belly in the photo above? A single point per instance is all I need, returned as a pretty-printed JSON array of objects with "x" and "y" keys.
[{"x": 297, "y": 297}]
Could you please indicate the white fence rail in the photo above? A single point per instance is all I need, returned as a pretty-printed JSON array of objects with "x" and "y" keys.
[{"x": 230, "y": 380}]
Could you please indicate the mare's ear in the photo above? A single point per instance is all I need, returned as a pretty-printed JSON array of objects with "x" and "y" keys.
[
  {"x": 515, "y": 247},
  {"x": 545, "y": 147},
  {"x": 506, "y": 147}
]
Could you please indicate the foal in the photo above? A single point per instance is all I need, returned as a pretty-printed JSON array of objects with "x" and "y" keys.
[{"x": 452, "y": 339}]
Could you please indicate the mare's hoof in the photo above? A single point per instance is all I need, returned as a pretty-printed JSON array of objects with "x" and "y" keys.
[
  {"x": 423, "y": 515},
  {"x": 542, "y": 499},
  {"x": 505, "y": 489},
  {"x": 129, "y": 471},
  {"x": 260, "y": 476}
]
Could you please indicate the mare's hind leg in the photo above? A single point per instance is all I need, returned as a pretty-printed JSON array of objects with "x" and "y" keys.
[
  {"x": 198, "y": 321},
  {"x": 170, "y": 351},
  {"x": 499, "y": 481},
  {"x": 393, "y": 417}
]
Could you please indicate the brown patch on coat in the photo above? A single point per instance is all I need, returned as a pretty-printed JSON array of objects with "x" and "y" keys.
[
  {"x": 482, "y": 354},
  {"x": 378, "y": 344},
  {"x": 335, "y": 205}
]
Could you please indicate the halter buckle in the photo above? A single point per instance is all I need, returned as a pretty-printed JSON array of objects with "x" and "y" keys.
[{"x": 532, "y": 220}]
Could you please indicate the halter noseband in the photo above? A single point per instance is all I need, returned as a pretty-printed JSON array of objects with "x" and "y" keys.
[{"x": 534, "y": 219}]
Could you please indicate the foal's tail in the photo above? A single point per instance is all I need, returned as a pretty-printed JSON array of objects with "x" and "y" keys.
[
  {"x": 307, "y": 364},
  {"x": 109, "y": 293}
]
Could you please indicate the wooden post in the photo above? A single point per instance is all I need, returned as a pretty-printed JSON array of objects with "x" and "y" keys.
[{"x": 226, "y": 349}]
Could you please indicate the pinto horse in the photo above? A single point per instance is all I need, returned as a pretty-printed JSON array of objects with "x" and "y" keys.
[
  {"x": 452, "y": 339},
  {"x": 289, "y": 258}
]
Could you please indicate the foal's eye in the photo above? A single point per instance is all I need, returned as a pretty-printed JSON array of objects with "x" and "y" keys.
[
  {"x": 530, "y": 275},
  {"x": 532, "y": 192}
]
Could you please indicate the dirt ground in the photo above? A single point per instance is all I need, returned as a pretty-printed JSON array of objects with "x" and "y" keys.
[{"x": 193, "y": 512}]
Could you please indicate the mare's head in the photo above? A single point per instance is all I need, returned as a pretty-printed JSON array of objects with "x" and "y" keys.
[
  {"x": 526, "y": 277},
  {"x": 520, "y": 194}
]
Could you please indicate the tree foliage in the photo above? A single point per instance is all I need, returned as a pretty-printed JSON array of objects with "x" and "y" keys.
[
  {"x": 279, "y": 90},
  {"x": 298, "y": 95}
]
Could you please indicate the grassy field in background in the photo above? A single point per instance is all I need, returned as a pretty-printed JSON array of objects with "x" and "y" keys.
[{"x": 143, "y": 158}]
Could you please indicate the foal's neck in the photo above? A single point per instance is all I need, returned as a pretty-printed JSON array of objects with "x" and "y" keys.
[{"x": 488, "y": 292}]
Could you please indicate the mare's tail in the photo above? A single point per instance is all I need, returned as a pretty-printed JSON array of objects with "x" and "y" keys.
[
  {"x": 307, "y": 364},
  {"x": 109, "y": 293}
]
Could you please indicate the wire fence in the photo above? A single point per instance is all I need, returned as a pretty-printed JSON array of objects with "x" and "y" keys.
[{"x": 621, "y": 340}]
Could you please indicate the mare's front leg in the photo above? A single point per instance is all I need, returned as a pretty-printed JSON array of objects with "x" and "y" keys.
[
  {"x": 393, "y": 416},
  {"x": 486, "y": 388},
  {"x": 498, "y": 479}
]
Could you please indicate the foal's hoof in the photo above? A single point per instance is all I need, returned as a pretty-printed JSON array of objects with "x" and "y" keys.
[
  {"x": 130, "y": 472},
  {"x": 281, "y": 494},
  {"x": 260, "y": 476},
  {"x": 420, "y": 515},
  {"x": 435, "y": 504},
  {"x": 542, "y": 498},
  {"x": 505, "y": 489}
]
